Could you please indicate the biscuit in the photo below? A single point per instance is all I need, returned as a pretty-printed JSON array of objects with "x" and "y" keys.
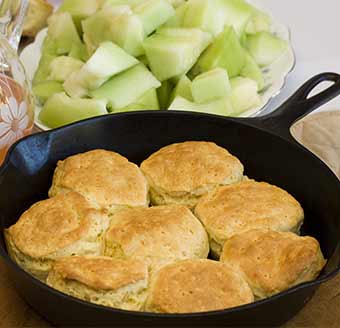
[
  {"x": 60, "y": 226},
  {"x": 244, "y": 206},
  {"x": 106, "y": 179},
  {"x": 181, "y": 173},
  {"x": 102, "y": 280},
  {"x": 197, "y": 286},
  {"x": 158, "y": 235},
  {"x": 273, "y": 261}
]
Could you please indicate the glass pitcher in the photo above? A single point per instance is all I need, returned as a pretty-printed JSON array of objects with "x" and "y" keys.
[{"x": 16, "y": 101}]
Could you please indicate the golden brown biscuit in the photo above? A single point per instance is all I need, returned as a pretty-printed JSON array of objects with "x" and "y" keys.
[
  {"x": 101, "y": 280},
  {"x": 107, "y": 179},
  {"x": 181, "y": 173},
  {"x": 244, "y": 206},
  {"x": 158, "y": 235},
  {"x": 273, "y": 261},
  {"x": 61, "y": 226},
  {"x": 197, "y": 286}
]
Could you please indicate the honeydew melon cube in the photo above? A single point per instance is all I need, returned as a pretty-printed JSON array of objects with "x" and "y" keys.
[
  {"x": 79, "y": 51},
  {"x": 244, "y": 94},
  {"x": 225, "y": 52},
  {"x": 97, "y": 27},
  {"x": 79, "y": 9},
  {"x": 153, "y": 14},
  {"x": 183, "y": 89},
  {"x": 237, "y": 14},
  {"x": 170, "y": 56},
  {"x": 107, "y": 61},
  {"x": 148, "y": 101},
  {"x": 125, "y": 88},
  {"x": 49, "y": 47},
  {"x": 259, "y": 22},
  {"x": 210, "y": 86},
  {"x": 222, "y": 106},
  {"x": 164, "y": 94},
  {"x": 127, "y": 31},
  {"x": 43, "y": 70},
  {"x": 205, "y": 15},
  {"x": 60, "y": 110},
  {"x": 253, "y": 71},
  {"x": 177, "y": 3},
  {"x": 178, "y": 18},
  {"x": 63, "y": 33},
  {"x": 112, "y": 3},
  {"x": 45, "y": 90},
  {"x": 62, "y": 67},
  {"x": 265, "y": 48}
]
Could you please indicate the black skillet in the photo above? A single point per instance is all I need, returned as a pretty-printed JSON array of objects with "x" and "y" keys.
[{"x": 265, "y": 147}]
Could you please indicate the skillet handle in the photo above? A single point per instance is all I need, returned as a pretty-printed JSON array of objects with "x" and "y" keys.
[{"x": 299, "y": 105}]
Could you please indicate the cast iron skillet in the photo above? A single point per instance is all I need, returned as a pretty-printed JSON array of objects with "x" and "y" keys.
[{"x": 265, "y": 147}]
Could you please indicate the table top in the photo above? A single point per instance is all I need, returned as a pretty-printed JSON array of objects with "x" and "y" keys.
[{"x": 321, "y": 311}]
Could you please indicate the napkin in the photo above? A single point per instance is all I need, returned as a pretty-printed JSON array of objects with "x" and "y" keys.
[{"x": 320, "y": 133}]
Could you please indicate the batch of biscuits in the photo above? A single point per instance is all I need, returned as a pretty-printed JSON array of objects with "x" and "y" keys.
[{"x": 185, "y": 232}]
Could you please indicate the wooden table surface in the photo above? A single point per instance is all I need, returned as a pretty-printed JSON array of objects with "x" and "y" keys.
[{"x": 321, "y": 311}]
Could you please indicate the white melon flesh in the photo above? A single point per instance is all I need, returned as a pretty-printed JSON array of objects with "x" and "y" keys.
[
  {"x": 62, "y": 67},
  {"x": 60, "y": 110},
  {"x": 206, "y": 15},
  {"x": 63, "y": 33},
  {"x": 171, "y": 56},
  {"x": 153, "y": 14},
  {"x": 221, "y": 106},
  {"x": 107, "y": 61},
  {"x": 125, "y": 88},
  {"x": 244, "y": 95},
  {"x": 225, "y": 52},
  {"x": 210, "y": 86},
  {"x": 265, "y": 48}
]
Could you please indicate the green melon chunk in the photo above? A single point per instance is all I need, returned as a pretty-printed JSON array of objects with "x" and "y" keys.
[
  {"x": 177, "y": 3},
  {"x": 107, "y": 3},
  {"x": 125, "y": 88},
  {"x": 43, "y": 70},
  {"x": 259, "y": 22},
  {"x": 237, "y": 13},
  {"x": 171, "y": 56},
  {"x": 148, "y": 101},
  {"x": 183, "y": 89},
  {"x": 45, "y": 90},
  {"x": 164, "y": 94},
  {"x": 244, "y": 94},
  {"x": 63, "y": 33},
  {"x": 205, "y": 15},
  {"x": 60, "y": 110},
  {"x": 221, "y": 106},
  {"x": 127, "y": 31},
  {"x": 226, "y": 52},
  {"x": 265, "y": 48},
  {"x": 211, "y": 85},
  {"x": 153, "y": 14},
  {"x": 178, "y": 18},
  {"x": 79, "y": 9},
  {"x": 97, "y": 27},
  {"x": 107, "y": 61},
  {"x": 253, "y": 71},
  {"x": 49, "y": 47},
  {"x": 62, "y": 67},
  {"x": 79, "y": 51}
]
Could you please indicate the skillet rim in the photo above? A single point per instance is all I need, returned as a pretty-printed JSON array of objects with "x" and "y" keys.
[{"x": 254, "y": 123}]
